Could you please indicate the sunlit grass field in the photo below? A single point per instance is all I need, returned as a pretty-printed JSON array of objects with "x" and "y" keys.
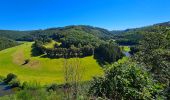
[
  {"x": 51, "y": 45},
  {"x": 43, "y": 70},
  {"x": 125, "y": 48}
]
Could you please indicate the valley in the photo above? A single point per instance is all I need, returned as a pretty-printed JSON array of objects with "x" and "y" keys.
[{"x": 43, "y": 70}]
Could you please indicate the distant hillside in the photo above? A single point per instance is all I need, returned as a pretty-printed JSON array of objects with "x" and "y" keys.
[
  {"x": 123, "y": 37},
  {"x": 117, "y": 31},
  {"x": 81, "y": 29},
  {"x": 164, "y": 24},
  {"x": 71, "y": 30},
  {"x": 13, "y": 34},
  {"x": 133, "y": 36},
  {"x": 7, "y": 43}
]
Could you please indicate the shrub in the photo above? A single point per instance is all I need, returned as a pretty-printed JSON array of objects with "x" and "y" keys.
[
  {"x": 2, "y": 78},
  {"x": 9, "y": 78},
  {"x": 14, "y": 83},
  {"x": 108, "y": 52},
  {"x": 52, "y": 87},
  {"x": 125, "y": 81},
  {"x": 31, "y": 85}
]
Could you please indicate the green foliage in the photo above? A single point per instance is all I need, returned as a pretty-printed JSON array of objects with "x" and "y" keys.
[
  {"x": 68, "y": 32},
  {"x": 108, "y": 52},
  {"x": 125, "y": 48},
  {"x": 2, "y": 78},
  {"x": 133, "y": 50},
  {"x": 34, "y": 85},
  {"x": 125, "y": 81},
  {"x": 14, "y": 83},
  {"x": 154, "y": 53},
  {"x": 133, "y": 36},
  {"x": 39, "y": 94},
  {"x": 52, "y": 87},
  {"x": 7, "y": 43},
  {"x": 9, "y": 78},
  {"x": 76, "y": 41},
  {"x": 14, "y": 35}
]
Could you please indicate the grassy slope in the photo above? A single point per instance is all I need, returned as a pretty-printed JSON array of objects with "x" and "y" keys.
[
  {"x": 125, "y": 48},
  {"x": 43, "y": 70},
  {"x": 51, "y": 45}
]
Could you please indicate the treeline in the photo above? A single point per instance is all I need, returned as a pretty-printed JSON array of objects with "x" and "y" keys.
[
  {"x": 103, "y": 51},
  {"x": 66, "y": 31},
  {"x": 134, "y": 36},
  {"x": 108, "y": 52},
  {"x": 14, "y": 35},
  {"x": 7, "y": 43},
  {"x": 61, "y": 52}
]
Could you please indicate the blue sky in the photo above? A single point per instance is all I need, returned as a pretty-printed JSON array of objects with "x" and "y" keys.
[{"x": 109, "y": 14}]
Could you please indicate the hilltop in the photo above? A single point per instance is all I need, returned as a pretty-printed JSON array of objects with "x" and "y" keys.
[
  {"x": 33, "y": 34},
  {"x": 133, "y": 36}
]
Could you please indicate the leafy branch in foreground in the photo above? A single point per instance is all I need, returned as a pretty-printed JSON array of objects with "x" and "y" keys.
[{"x": 125, "y": 81}]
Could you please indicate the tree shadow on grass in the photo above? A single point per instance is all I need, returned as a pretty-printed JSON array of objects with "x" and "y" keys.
[{"x": 100, "y": 61}]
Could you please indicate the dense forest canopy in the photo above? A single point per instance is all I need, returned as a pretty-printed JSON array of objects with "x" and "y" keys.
[
  {"x": 145, "y": 76},
  {"x": 13, "y": 34},
  {"x": 31, "y": 35},
  {"x": 133, "y": 36},
  {"x": 7, "y": 43}
]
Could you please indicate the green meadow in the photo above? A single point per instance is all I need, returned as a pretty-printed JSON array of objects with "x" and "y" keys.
[
  {"x": 125, "y": 48},
  {"x": 40, "y": 69}
]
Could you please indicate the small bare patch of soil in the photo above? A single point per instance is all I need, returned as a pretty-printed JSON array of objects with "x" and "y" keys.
[
  {"x": 33, "y": 64},
  {"x": 18, "y": 57}
]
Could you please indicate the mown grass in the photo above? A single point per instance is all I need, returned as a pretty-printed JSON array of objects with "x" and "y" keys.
[{"x": 43, "y": 70}]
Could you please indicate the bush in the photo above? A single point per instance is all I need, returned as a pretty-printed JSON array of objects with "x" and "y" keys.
[
  {"x": 108, "y": 52},
  {"x": 125, "y": 81},
  {"x": 52, "y": 87},
  {"x": 14, "y": 83},
  {"x": 9, "y": 78},
  {"x": 133, "y": 50},
  {"x": 31, "y": 85},
  {"x": 2, "y": 78}
]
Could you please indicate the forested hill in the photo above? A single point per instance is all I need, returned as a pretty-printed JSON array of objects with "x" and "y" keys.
[
  {"x": 11, "y": 34},
  {"x": 81, "y": 29},
  {"x": 133, "y": 36},
  {"x": 123, "y": 37},
  {"x": 6, "y": 43}
]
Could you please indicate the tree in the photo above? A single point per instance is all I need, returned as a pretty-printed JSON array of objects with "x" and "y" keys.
[
  {"x": 154, "y": 53},
  {"x": 108, "y": 52},
  {"x": 127, "y": 81},
  {"x": 73, "y": 73}
]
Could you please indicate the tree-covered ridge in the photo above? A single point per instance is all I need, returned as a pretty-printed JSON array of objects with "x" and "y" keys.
[
  {"x": 11, "y": 34},
  {"x": 33, "y": 34},
  {"x": 133, "y": 36},
  {"x": 7, "y": 43},
  {"x": 75, "y": 41}
]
